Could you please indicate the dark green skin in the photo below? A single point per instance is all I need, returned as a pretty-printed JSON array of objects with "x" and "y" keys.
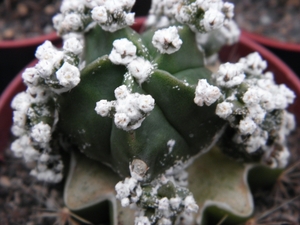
[{"x": 175, "y": 115}]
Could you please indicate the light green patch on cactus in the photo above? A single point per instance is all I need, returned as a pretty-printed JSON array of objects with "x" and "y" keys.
[
  {"x": 89, "y": 191},
  {"x": 219, "y": 182}
]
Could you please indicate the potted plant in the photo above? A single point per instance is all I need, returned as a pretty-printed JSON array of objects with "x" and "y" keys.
[
  {"x": 135, "y": 117},
  {"x": 272, "y": 24}
]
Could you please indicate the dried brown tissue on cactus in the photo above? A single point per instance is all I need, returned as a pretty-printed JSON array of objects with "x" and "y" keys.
[{"x": 143, "y": 119}]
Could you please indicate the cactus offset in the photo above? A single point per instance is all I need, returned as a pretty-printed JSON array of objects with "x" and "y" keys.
[{"x": 143, "y": 107}]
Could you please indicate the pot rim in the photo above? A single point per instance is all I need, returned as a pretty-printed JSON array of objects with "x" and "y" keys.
[
  {"x": 271, "y": 42},
  {"x": 28, "y": 42}
]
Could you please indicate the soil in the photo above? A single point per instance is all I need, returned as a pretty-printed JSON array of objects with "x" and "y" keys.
[
  {"x": 25, "y": 201},
  {"x": 277, "y": 19},
  {"x": 21, "y": 19}
]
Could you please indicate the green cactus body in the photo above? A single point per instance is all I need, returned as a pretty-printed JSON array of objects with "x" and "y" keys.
[{"x": 193, "y": 129}]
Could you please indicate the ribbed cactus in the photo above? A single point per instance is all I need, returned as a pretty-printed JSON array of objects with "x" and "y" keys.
[{"x": 113, "y": 104}]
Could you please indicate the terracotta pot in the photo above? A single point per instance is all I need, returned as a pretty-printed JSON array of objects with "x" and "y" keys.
[
  {"x": 288, "y": 52},
  {"x": 16, "y": 54},
  {"x": 283, "y": 74}
]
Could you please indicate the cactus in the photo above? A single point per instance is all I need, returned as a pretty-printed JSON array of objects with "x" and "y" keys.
[{"x": 140, "y": 118}]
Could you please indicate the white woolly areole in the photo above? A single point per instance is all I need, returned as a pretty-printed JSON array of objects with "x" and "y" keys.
[
  {"x": 175, "y": 203},
  {"x": 123, "y": 52},
  {"x": 229, "y": 75},
  {"x": 121, "y": 92},
  {"x": 130, "y": 108},
  {"x": 146, "y": 103},
  {"x": 289, "y": 122},
  {"x": 72, "y": 5},
  {"x": 256, "y": 141},
  {"x": 228, "y": 9},
  {"x": 231, "y": 32},
  {"x": 206, "y": 93},
  {"x": 247, "y": 126},
  {"x": 167, "y": 40},
  {"x": 47, "y": 175},
  {"x": 190, "y": 204},
  {"x": 99, "y": 14},
  {"x": 44, "y": 68},
  {"x": 72, "y": 22},
  {"x": 21, "y": 102},
  {"x": 224, "y": 109},
  {"x": 257, "y": 113},
  {"x": 128, "y": 191},
  {"x": 213, "y": 19},
  {"x": 163, "y": 204},
  {"x": 47, "y": 52},
  {"x": 140, "y": 68},
  {"x": 68, "y": 75},
  {"x": 30, "y": 76},
  {"x": 103, "y": 107},
  {"x": 41, "y": 132},
  {"x": 19, "y": 118},
  {"x": 38, "y": 94},
  {"x": 22, "y": 146},
  {"x": 164, "y": 221},
  {"x": 253, "y": 63},
  {"x": 72, "y": 45},
  {"x": 142, "y": 220},
  {"x": 252, "y": 96},
  {"x": 282, "y": 157}
]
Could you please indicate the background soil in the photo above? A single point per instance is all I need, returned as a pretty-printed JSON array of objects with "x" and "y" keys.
[
  {"x": 21, "y": 19},
  {"x": 277, "y": 19}
]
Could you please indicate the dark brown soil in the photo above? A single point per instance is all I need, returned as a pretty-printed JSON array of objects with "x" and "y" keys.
[
  {"x": 277, "y": 19},
  {"x": 26, "y": 18}
]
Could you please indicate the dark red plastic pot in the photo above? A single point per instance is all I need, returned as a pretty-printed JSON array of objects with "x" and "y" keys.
[
  {"x": 283, "y": 74},
  {"x": 288, "y": 52},
  {"x": 16, "y": 54}
]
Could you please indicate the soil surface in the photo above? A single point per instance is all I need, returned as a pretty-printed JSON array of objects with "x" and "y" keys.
[
  {"x": 277, "y": 19},
  {"x": 26, "y": 18},
  {"x": 25, "y": 201}
]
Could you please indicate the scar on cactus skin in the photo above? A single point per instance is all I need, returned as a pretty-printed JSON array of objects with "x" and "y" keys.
[{"x": 139, "y": 114}]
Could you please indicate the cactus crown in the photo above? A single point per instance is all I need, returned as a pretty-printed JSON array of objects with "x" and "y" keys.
[{"x": 145, "y": 104}]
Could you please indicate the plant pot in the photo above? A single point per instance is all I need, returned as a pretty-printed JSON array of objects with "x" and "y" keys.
[
  {"x": 244, "y": 47},
  {"x": 16, "y": 54}
]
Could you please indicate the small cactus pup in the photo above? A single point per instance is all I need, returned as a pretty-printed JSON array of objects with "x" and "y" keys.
[{"x": 141, "y": 130}]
